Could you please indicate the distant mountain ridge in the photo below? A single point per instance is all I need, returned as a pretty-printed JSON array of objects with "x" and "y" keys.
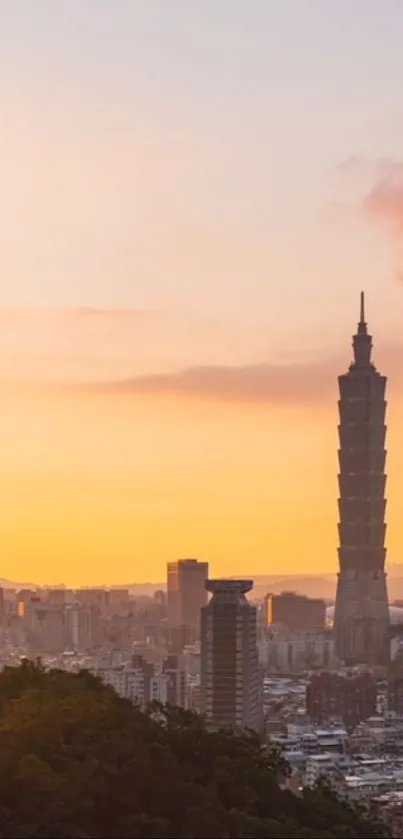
[{"x": 312, "y": 585}]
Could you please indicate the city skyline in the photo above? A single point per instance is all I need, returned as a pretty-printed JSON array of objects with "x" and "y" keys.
[{"x": 189, "y": 211}]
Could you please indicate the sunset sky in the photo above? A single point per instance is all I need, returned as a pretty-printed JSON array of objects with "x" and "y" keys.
[{"x": 192, "y": 196}]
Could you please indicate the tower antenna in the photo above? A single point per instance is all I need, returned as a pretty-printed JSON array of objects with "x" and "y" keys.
[{"x": 362, "y": 308}]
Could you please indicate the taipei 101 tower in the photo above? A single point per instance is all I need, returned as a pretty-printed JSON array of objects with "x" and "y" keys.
[{"x": 361, "y": 618}]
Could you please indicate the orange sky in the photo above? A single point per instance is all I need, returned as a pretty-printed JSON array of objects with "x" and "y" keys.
[
  {"x": 101, "y": 488},
  {"x": 192, "y": 197}
]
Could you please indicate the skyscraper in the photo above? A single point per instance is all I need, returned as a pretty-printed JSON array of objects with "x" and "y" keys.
[
  {"x": 230, "y": 680},
  {"x": 186, "y": 594},
  {"x": 361, "y": 613}
]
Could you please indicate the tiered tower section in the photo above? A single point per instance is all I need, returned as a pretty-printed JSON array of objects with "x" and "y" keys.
[{"x": 362, "y": 613}]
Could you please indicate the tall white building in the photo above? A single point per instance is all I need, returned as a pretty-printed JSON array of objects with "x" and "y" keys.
[{"x": 230, "y": 678}]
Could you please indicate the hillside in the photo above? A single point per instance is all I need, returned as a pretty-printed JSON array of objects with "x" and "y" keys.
[{"x": 77, "y": 761}]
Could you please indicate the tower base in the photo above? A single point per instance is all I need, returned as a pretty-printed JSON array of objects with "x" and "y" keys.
[{"x": 361, "y": 619}]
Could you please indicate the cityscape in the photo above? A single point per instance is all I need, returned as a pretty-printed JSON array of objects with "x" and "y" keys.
[
  {"x": 322, "y": 681},
  {"x": 201, "y": 304}
]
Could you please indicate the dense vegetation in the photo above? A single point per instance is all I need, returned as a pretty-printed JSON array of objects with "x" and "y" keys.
[{"x": 78, "y": 761}]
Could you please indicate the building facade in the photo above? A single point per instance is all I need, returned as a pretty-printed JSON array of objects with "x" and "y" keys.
[
  {"x": 230, "y": 677},
  {"x": 295, "y": 611},
  {"x": 395, "y": 686},
  {"x": 361, "y": 613},
  {"x": 186, "y": 595},
  {"x": 350, "y": 697},
  {"x": 143, "y": 682},
  {"x": 293, "y": 652},
  {"x": 83, "y": 628},
  {"x": 46, "y": 627}
]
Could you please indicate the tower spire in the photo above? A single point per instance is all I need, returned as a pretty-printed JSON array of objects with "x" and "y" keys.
[
  {"x": 362, "y": 342},
  {"x": 362, "y": 308}
]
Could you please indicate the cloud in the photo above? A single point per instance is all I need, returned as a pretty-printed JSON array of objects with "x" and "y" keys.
[
  {"x": 249, "y": 383},
  {"x": 287, "y": 383},
  {"x": 36, "y": 315},
  {"x": 357, "y": 165},
  {"x": 384, "y": 203},
  {"x": 382, "y": 180},
  {"x": 75, "y": 343},
  {"x": 142, "y": 352}
]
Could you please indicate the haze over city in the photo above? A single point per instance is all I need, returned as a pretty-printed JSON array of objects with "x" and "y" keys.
[{"x": 193, "y": 197}]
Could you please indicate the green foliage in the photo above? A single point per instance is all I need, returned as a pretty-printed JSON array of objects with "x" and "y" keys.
[{"x": 77, "y": 761}]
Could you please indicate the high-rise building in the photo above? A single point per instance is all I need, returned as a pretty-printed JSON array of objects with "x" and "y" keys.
[
  {"x": 295, "y": 611},
  {"x": 361, "y": 614},
  {"x": 230, "y": 678},
  {"x": 186, "y": 594},
  {"x": 93, "y": 597},
  {"x": 395, "y": 693},
  {"x": 395, "y": 685},
  {"x": 350, "y": 697},
  {"x": 177, "y": 682},
  {"x": 46, "y": 626},
  {"x": 283, "y": 651},
  {"x": 59, "y": 595},
  {"x": 139, "y": 677},
  {"x": 83, "y": 626}
]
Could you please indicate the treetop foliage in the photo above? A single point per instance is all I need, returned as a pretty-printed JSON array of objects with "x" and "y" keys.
[{"x": 79, "y": 762}]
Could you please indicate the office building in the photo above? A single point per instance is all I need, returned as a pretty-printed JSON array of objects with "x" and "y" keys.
[
  {"x": 395, "y": 685},
  {"x": 119, "y": 598},
  {"x": 93, "y": 597},
  {"x": 46, "y": 626},
  {"x": 83, "y": 626},
  {"x": 181, "y": 637},
  {"x": 350, "y": 697},
  {"x": 186, "y": 595},
  {"x": 361, "y": 612},
  {"x": 143, "y": 682},
  {"x": 138, "y": 680},
  {"x": 285, "y": 652},
  {"x": 176, "y": 680},
  {"x": 295, "y": 611},
  {"x": 395, "y": 693},
  {"x": 230, "y": 677},
  {"x": 59, "y": 596}
]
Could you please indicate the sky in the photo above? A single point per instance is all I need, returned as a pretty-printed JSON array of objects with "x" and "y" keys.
[{"x": 193, "y": 195}]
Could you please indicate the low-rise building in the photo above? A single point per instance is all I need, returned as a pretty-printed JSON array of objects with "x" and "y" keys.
[{"x": 349, "y": 696}]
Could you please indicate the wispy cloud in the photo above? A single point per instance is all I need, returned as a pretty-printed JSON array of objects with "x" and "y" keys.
[
  {"x": 74, "y": 314},
  {"x": 77, "y": 342},
  {"x": 382, "y": 184},
  {"x": 140, "y": 352},
  {"x": 285, "y": 383},
  {"x": 384, "y": 203},
  {"x": 80, "y": 344},
  {"x": 251, "y": 383},
  {"x": 360, "y": 166}
]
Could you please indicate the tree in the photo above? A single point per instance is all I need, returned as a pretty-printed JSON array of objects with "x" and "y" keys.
[{"x": 79, "y": 762}]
